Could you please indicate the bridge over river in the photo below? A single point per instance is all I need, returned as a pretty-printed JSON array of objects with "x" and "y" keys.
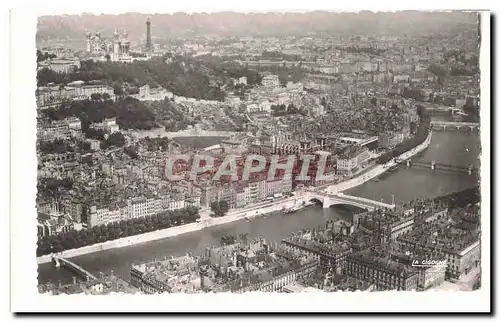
[
  {"x": 435, "y": 166},
  {"x": 330, "y": 199},
  {"x": 77, "y": 269},
  {"x": 440, "y": 125}
]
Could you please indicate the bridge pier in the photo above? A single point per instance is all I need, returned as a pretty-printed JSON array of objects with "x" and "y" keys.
[
  {"x": 433, "y": 165},
  {"x": 56, "y": 262},
  {"x": 408, "y": 163},
  {"x": 470, "y": 170}
]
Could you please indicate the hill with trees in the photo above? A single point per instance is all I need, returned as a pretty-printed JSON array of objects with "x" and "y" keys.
[
  {"x": 129, "y": 112},
  {"x": 183, "y": 78}
]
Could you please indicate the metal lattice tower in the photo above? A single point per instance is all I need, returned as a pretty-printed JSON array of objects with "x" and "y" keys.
[{"x": 148, "y": 35}]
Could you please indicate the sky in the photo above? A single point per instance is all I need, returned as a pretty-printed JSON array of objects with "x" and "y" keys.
[{"x": 56, "y": 7}]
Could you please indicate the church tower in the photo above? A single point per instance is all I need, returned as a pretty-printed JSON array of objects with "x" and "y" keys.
[
  {"x": 116, "y": 46},
  {"x": 88, "y": 40}
]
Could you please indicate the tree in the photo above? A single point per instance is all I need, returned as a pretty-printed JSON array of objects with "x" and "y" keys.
[
  {"x": 224, "y": 206},
  {"x": 115, "y": 139},
  {"x": 108, "y": 57},
  {"x": 96, "y": 96},
  {"x": 219, "y": 208},
  {"x": 41, "y": 57},
  {"x": 193, "y": 213},
  {"x": 45, "y": 76},
  {"x": 106, "y": 96},
  {"x": 214, "y": 206},
  {"x": 96, "y": 134},
  {"x": 131, "y": 152},
  {"x": 117, "y": 89}
]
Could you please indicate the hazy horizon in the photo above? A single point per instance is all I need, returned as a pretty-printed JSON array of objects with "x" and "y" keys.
[{"x": 232, "y": 23}]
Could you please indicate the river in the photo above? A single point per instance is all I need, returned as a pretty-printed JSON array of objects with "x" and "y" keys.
[{"x": 405, "y": 184}]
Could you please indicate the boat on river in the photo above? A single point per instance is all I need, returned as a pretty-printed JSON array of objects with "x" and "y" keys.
[
  {"x": 392, "y": 169},
  {"x": 290, "y": 210},
  {"x": 296, "y": 207}
]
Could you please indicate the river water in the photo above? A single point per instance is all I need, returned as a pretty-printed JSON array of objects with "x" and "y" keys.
[{"x": 405, "y": 184}]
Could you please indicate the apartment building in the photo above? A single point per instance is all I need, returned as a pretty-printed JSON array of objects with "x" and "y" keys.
[
  {"x": 60, "y": 65},
  {"x": 349, "y": 161},
  {"x": 383, "y": 272},
  {"x": 107, "y": 125},
  {"x": 85, "y": 91},
  {"x": 270, "y": 81}
]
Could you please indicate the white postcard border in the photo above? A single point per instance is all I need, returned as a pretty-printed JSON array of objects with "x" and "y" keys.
[{"x": 24, "y": 295}]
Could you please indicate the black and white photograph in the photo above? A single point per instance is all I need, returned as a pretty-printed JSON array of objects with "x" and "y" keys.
[{"x": 263, "y": 152}]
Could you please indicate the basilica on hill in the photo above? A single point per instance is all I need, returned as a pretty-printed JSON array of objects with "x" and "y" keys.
[{"x": 117, "y": 48}]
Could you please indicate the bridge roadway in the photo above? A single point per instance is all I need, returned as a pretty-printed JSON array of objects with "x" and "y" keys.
[
  {"x": 440, "y": 166},
  {"x": 330, "y": 199},
  {"x": 369, "y": 140},
  {"x": 457, "y": 125},
  {"x": 58, "y": 261}
]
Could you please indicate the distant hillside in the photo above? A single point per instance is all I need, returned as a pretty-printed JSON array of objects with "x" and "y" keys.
[{"x": 234, "y": 24}]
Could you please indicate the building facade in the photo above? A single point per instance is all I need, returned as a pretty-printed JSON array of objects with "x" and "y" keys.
[
  {"x": 270, "y": 81},
  {"x": 386, "y": 275},
  {"x": 117, "y": 48}
]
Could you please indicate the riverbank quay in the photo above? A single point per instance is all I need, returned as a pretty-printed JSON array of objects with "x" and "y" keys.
[
  {"x": 239, "y": 214},
  {"x": 377, "y": 170}
]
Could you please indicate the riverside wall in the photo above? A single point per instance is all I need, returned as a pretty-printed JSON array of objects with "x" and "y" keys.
[{"x": 253, "y": 211}]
